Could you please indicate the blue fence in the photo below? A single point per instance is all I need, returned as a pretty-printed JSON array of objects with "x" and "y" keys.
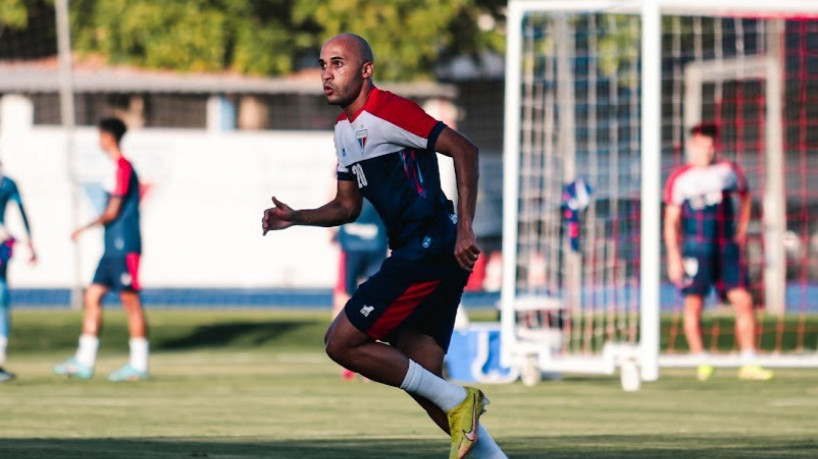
[
  {"x": 798, "y": 296},
  {"x": 219, "y": 298}
]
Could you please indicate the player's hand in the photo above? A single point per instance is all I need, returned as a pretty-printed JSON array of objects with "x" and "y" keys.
[
  {"x": 741, "y": 238},
  {"x": 676, "y": 270},
  {"x": 278, "y": 217},
  {"x": 76, "y": 234},
  {"x": 466, "y": 250},
  {"x": 33, "y": 258}
]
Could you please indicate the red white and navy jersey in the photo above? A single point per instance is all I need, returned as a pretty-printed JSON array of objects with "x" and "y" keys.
[
  {"x": 388, "y": 148},
  {"x": 706, "y": 196},
  {"x": 122, "y": 235}
]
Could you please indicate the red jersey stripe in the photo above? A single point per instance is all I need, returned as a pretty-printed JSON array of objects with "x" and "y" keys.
[
  {"x": 401, "y": 112},
  {"x": 132, "y": 264},
  {"x": 671, "y": 181}
]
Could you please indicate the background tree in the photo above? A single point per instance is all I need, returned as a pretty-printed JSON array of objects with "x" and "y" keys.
[
  {"x": 247, "y": 36},
  {"x": 407, "y": 36},
  {"x": 13, "y": 14},
  {"x": 265, "y": 37},
  {"x": 27, "y": 29}
]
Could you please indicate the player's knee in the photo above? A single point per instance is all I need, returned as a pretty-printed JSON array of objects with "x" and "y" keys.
[
  {"x": 335, "y": 347},
  {"x": 330, "y": 332},
  {"x": 92, "y": 303},
  {"x": 744, "y": 306},
  {"x": 742, "y": 300},
  {"x": 94, "y": 294},
  {"x": 131, "y": 302}
]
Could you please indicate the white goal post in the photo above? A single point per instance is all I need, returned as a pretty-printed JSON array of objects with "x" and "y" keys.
[{"x": 540, "y": 132}]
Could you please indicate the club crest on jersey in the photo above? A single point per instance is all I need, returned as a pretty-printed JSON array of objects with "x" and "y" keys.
[{"x": 361, "y": 136}]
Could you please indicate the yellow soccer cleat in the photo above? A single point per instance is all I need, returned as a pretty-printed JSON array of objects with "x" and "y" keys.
[
  {"x": 464, "y": 420},
  {"x": 704, "y": 372},
  {"x": 754, "y": 373}
]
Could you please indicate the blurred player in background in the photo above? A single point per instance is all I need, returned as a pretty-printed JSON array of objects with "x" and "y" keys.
[
  {"x": 363, "y": 250},
  {"x": 397, "y": 326},
  {"x": 701, "y": 205},
  {"x": 8, "y": 193},
  {"x": 118, "y": 269}
]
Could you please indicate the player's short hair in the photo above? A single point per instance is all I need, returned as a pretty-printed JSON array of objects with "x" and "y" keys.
[
  {"x": 706, "y": 129},
  {"x": 113, "y": 126}
]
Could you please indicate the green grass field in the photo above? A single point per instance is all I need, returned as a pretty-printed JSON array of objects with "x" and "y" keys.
[{"x": 254, "y": 384}]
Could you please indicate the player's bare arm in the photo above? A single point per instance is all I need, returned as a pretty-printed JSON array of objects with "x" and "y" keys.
[
  {"x": 31, "y": 250},
  {"x": 464, "y": 153},
  {"x": 30, "y": 243},
  {"x": 675, "y": 268},
  {"x": 110, "y": 214},
  {"x": 344, "y": 208}
]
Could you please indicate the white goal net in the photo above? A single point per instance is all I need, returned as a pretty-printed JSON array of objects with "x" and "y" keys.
[{"x": 600, "y": 96}]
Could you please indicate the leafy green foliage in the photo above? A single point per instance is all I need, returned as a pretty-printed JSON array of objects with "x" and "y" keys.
[
  {"x": 271, "y": 37},
  {"x": 407, "y": 36},
  {"x": 13, "y": 14},
  {"x": 249, "y": 37}
]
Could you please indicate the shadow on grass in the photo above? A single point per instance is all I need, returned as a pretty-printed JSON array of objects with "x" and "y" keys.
[
  {"x": 228, "y": 334},
  {"x": 608, "y": 446}
]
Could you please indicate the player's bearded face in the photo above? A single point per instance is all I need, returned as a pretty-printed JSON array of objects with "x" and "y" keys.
[
  {"x": 343, "y": 91},
  {"x": 341, "y": 75}
]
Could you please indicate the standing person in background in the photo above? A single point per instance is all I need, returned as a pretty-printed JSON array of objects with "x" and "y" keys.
[
  {"x": 118, "y": 269},
  {"x": 397, "y": 326},
  {"x": 701, "y": 213},
  {"x": 363, "y": 249},
  {"x": 9, "y": 192}
]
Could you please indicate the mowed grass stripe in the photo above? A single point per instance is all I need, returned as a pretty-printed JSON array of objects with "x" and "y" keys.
[{"x": 265, "y": 389}]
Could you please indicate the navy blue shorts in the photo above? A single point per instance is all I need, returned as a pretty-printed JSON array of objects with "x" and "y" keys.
[
  {"x": 360, "y": 265},
  {"x": 409, "y": 294},
  {"x": 120, "y": 273},
  {"x": 708, "y": 265}
]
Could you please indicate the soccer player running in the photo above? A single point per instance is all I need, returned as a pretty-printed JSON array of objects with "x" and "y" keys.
[
  {"x": 385, "y": 147},
  {"x": 8, "y": 193},
  {"x": 700, "y": 205},
  {"x": 118, "y": 269}
]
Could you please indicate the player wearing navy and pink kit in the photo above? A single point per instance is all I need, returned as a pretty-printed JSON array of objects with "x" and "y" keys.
[
  {"x": 118, "y": 268},
  {"x": 385, "y": 149},
  {"x": 386, "y": 152},
  {"x": 707, "y": 209}
]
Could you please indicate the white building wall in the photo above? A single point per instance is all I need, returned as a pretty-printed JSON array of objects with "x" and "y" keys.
[{"x": 201, "y": 215}]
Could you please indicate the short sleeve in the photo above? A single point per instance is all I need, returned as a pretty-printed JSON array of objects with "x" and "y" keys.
[
  {"x": 669, "y": 197},
  {"x": 122, "y": 179},
  {"x": 413, "y": 127},
  {"x": 344, "y": 173}
]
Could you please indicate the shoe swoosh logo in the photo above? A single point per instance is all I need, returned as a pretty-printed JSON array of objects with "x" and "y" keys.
[{"x": 471, "y": 435}]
